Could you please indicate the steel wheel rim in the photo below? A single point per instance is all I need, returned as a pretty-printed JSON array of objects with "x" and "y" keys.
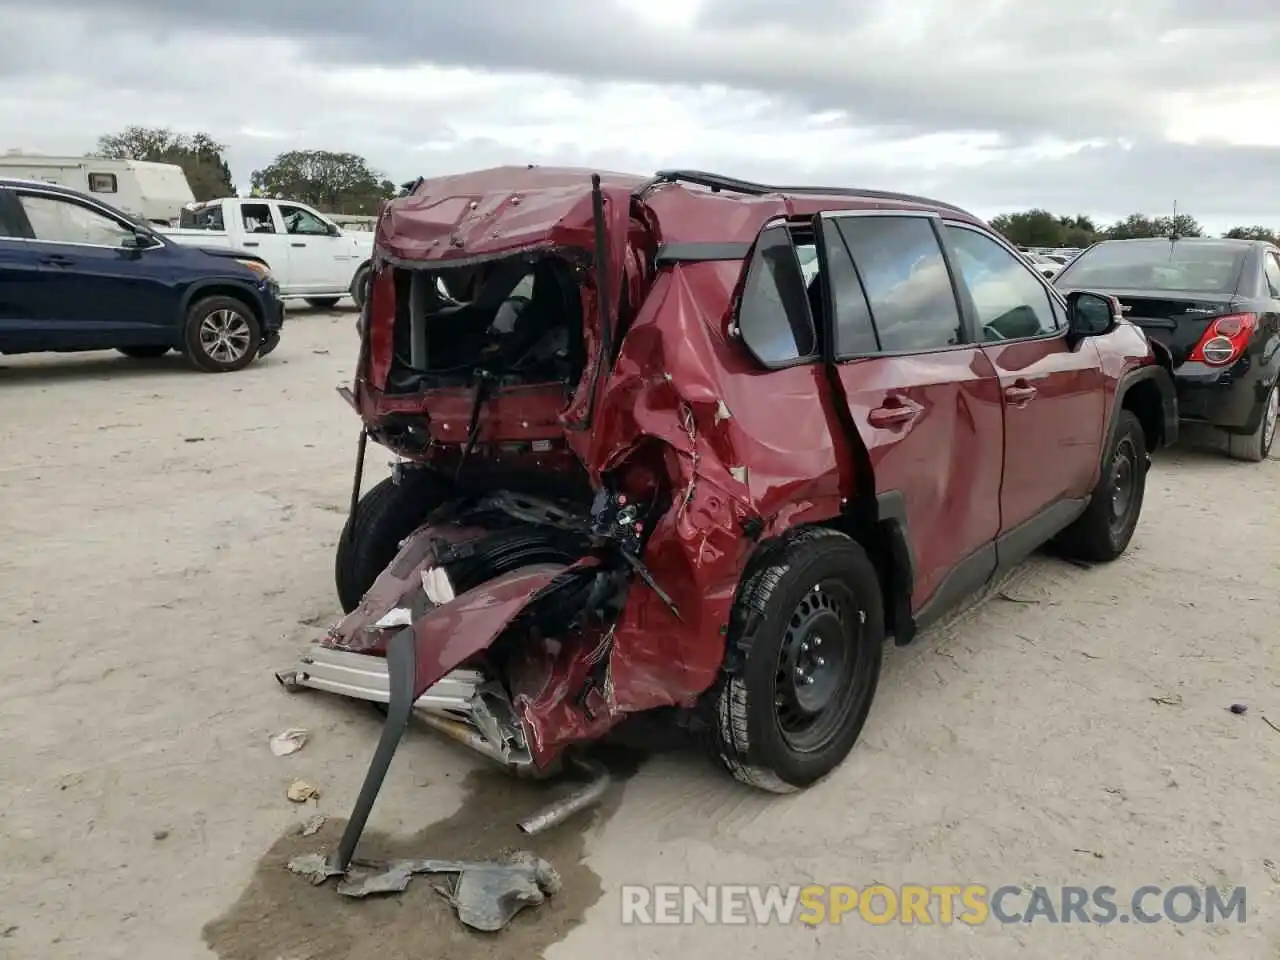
[
  {"x": 1270, "y": 417},
  {"x": 819, "y": 680},
  {"x": 1123, "y": 481},
  {"x": 225, "y": 335}
]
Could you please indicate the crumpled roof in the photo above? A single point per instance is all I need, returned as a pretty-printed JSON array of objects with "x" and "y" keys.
[{"x": 491, "y": 212}]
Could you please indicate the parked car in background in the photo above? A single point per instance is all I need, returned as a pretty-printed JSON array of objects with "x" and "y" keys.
[
  {"x": 77, "y": 274},
  {"x": 1043, "y": 265},
  {"x": 311, "y": 257},
  {"x": 803, "y": 420},
  {"x": 1215, "y": 306},
  {"x": 153, "y": 192}
]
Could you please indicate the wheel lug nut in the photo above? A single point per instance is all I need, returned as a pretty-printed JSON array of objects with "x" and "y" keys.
[
  {"x": 808, "y": 680},
  {"x": 804, "y": 646},
  {"x": 819, "y": 662},
  {"x": 817, "y": 641}
]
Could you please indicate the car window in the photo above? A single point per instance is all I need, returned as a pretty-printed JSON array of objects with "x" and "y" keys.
[
  {"x": 906, "y": 281},
  {"x": 1191, "y": 265},
  {"x": 773, "y": 318},
  {"x": 64, "y": 221},
  {"x": 256, "y": 218},
  {"x": 1011, "y": 302},
  {"x": 302, "y": 222},
  {"x": 855, "y": 333},
  {"x": 1272, "y": 266},
  {"x": 204, "y": 217}
]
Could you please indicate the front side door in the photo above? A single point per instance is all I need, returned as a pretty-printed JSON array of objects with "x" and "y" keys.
[
  {"x": 91, "y": 289},
  {"x": 315, "y": 254},
  {"x": 1053, "y": 391},
  {"x": 921, "y": 393}
]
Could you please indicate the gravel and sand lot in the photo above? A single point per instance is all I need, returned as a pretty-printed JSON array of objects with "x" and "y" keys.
[{"x": 167, "y": 543}]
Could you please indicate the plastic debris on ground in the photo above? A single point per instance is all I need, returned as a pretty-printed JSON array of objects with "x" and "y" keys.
[
  {"x": 485, "y": 894},
  {"x": 291, "y": 741},
  {"x": 300, "y": 792}
]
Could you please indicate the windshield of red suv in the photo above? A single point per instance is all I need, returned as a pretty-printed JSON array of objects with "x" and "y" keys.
[{"x": 1157, "y": 264}]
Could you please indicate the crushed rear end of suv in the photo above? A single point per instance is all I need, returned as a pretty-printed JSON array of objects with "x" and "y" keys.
[{"x": 693, "y": 444}]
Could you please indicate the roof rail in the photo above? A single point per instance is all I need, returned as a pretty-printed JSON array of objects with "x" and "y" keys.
[{"x": 717, "y": 182}]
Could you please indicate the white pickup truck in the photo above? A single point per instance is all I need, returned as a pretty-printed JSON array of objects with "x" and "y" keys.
[{"x": 311, "y": 257}]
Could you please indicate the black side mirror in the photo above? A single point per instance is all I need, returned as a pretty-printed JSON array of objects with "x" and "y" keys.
[
  {"x": 138, "y": 241},
  {"x": 1092, "y": 314},
  {"x": 332, "y": 230}
]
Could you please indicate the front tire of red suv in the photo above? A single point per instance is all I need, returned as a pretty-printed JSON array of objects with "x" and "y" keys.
[
  {"x": 805, "y": 643},
  {"x": 1105, "y": 528}
]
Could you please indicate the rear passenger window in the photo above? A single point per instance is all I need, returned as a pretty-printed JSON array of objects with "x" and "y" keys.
[
  {"x": 855, "y": 333},
  {"x": 773, "y": 318},
  {"x": 1273, "y": 273},
  {"x": 906, "y": 281},
  {"x": 1011, "y": 302}
]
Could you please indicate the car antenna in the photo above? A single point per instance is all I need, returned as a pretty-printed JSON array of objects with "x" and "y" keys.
[{"x": 1173, "y": 226}]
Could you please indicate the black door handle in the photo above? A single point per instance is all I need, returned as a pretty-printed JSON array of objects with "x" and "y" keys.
[
  {"x": 251, "y": 243},
  {"x": 297, "y": 244},
  {"x": 56, "y": 260}
]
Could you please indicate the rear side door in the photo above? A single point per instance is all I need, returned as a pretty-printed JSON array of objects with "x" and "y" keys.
[
  {"x": 922, "y": 395},
  {"x": 1053, "y": 392},
  {"x": 21, "y": 315},
  {"x": 90, "y": 288}
]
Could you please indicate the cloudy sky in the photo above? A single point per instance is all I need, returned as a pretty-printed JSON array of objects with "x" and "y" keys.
[{"x": 1092, "y": 106}]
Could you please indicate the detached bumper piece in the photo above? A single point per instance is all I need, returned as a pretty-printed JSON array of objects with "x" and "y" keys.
[{"x": 466, "y": 708}]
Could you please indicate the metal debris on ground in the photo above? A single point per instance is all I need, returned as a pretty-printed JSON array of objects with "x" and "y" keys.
[
  {"x": 291, "y": 741},
  {"x": 485, "y": 894},
  {"x": 1174, "y": 701},
  {"x": 300, "y": 792}
]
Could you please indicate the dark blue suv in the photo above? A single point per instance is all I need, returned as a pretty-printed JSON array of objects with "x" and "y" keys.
[{"x": 77, "y": 274}]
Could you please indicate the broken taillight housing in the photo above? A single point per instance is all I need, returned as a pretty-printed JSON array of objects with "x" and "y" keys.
[{"x": 1225, "y": 340}]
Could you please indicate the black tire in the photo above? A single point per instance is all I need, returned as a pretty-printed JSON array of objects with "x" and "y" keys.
[
  {"x": 1256, "y": 447},
  {"x": 1104, "y": 530},
  {"x": 234, "y": 348},
  {"x": 150, "y": 352},
  {"x": 360, "y": 285},
  {"x": 323, "y": 303},
  {"x": 371, "y": 537},
  {"x": 817, "y": 578}
]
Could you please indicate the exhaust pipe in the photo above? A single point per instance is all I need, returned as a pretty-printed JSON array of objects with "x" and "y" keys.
[{"x": 587, "y": 795}]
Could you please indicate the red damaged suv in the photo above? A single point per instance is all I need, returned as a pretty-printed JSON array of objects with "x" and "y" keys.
[{"x": 696, "y": 443}]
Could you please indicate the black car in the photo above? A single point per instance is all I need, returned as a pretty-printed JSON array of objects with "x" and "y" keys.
[
  {"x": 1215, "y": 305},
  {"x": 78, "y": 274}
]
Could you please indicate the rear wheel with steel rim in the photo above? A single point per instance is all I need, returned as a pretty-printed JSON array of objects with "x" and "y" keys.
[
  {"x": 802, "y": 662},
  {"x": 221, "y": 335},
  {"x": 1105, "y": 528},
  {"x": 1256, "y": 447}
]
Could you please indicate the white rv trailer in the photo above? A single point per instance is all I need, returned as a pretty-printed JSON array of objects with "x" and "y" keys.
[{"x": 155, "y": 192}]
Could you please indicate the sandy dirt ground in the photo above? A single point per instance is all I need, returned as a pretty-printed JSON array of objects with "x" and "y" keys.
[{"x": 167, "y": 544}]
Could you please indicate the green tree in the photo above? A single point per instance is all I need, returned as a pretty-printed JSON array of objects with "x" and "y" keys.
[
  {"x": 1138, "y": 225},
  {"x": 200, "y": 156},
  {"x": 1132, "y": 227},
  {"x": 333, "y": 182},
  {"x": 1181, "y": 225},
  {"x": 1253, "y": 233},
  {"x": 1031, "y": 228}
]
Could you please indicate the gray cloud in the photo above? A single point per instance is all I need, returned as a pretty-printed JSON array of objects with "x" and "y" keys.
[
  {"x": 1018, "y": 70},
  {"x": 1077, "y": 69}
]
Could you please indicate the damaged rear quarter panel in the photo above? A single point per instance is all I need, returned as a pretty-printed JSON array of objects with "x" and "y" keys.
[{"x": 743, "y": 444}]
